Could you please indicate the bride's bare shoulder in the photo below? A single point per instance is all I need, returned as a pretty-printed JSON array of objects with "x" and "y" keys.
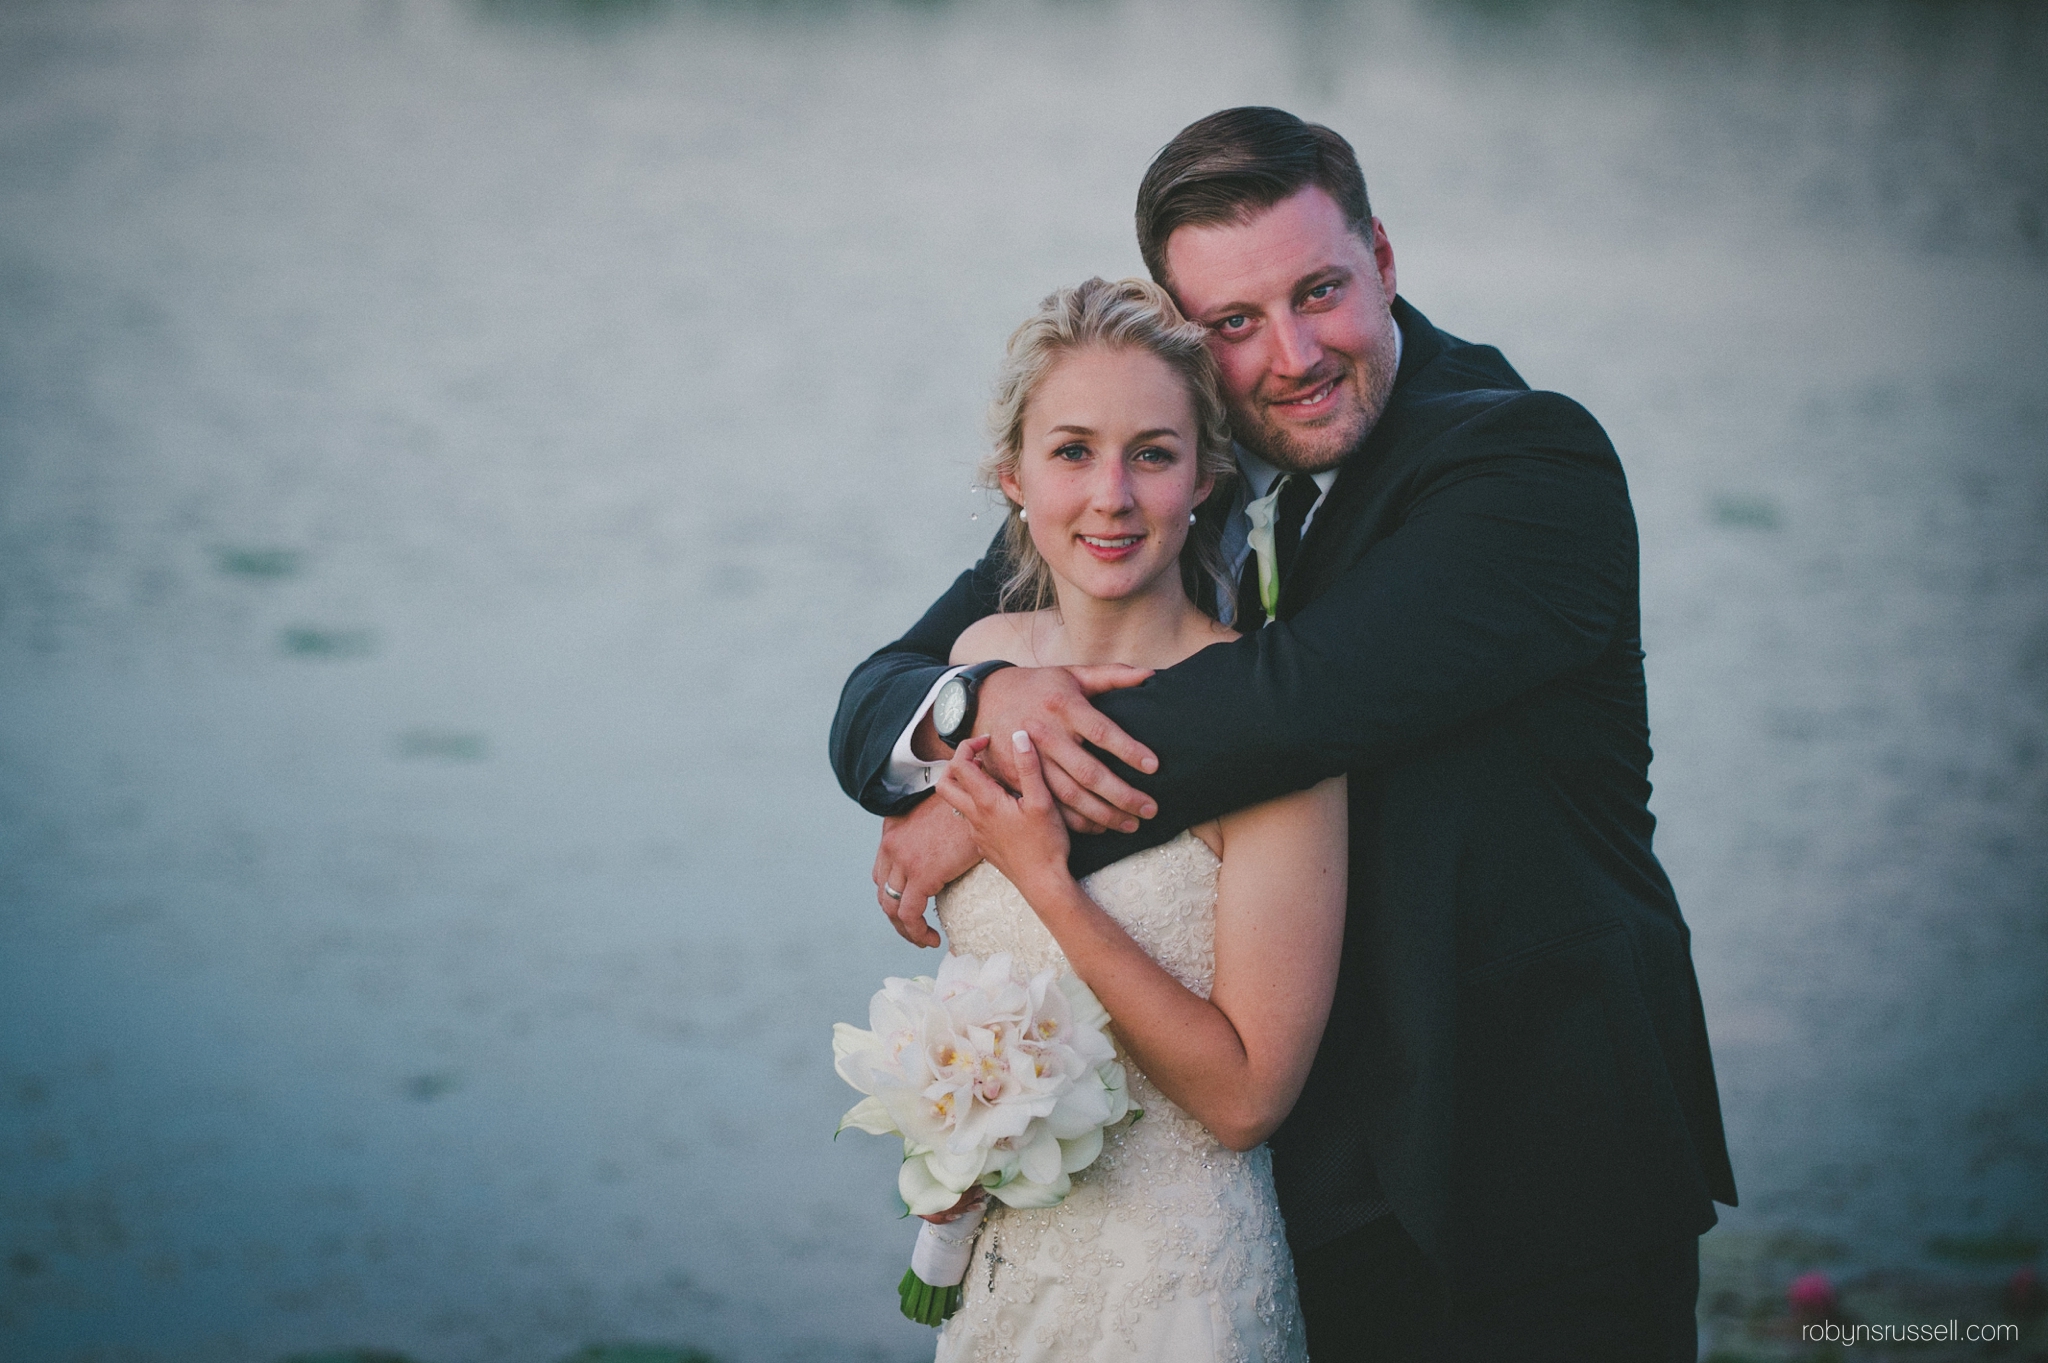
[{"x": 1008, "y": 637}]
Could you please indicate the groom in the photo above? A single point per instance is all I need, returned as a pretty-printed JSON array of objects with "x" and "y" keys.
[{"x": 1511, "y": 1140}]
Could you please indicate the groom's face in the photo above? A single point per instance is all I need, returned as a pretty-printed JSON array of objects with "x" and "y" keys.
[{"x": 1297, "y": 308}]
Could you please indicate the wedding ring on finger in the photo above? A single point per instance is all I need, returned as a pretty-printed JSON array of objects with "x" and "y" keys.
[{"x": 894, "y": 894}]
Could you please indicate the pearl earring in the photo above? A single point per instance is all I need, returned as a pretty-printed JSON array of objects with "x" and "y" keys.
[
  {"x": 1023, "y": 514},
  {"x": 1191, "y": 518}
]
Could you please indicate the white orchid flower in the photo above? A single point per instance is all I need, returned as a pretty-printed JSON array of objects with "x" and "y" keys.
[{"x": 988, "y": 1078}]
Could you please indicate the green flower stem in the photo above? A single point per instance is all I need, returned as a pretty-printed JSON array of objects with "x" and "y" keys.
[{"x": 925, "y": 1304}]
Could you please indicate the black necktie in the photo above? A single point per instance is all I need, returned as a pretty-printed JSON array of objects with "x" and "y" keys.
[{"x": 1298, "y": 493}]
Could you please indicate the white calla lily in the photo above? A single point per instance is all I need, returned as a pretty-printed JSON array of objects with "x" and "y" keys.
[
  {"x": 869, "y": 1115},
  {"x": 957, "y": 1171},
  {"x": 922, "y": 1193},
  {"x": 1084, "y": 1008},
  {"x": 1116, "y": 1085},
  {"x": 1084, "y": 1107},
  {"x": 1263, "y": 512},
  {"x": 1040, "y": 1160},
  {"x": 1025, "y": 1193},
  {"x": 1080, "y": 1152},
  {"x": 1000, "y": 1167}
]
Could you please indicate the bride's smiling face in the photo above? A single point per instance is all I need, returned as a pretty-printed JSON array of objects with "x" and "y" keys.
[{"x": 1108, "y": 473}]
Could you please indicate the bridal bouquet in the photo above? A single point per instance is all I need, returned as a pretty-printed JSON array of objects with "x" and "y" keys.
[{"x": 991, "y": 1080}]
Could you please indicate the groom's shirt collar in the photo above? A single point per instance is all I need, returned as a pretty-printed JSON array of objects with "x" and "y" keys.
[{"x": 1259, "y": 477}]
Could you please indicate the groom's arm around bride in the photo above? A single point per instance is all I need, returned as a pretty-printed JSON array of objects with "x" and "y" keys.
[{"x": 1511, "y": 1132}]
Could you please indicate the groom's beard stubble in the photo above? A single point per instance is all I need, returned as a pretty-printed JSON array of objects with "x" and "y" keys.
[{"x": 1370, "y": 378}]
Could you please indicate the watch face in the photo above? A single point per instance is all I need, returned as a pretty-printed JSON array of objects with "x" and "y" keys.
[{"x": 950, "y": 708}]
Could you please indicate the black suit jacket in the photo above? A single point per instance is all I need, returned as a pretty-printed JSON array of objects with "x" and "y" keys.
[{"x": 1517, "y": 1053}]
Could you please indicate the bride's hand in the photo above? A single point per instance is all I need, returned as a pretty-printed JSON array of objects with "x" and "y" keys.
[
  {"x": 969, "y": 1200},
  {"x": 1021, "y": 835}
]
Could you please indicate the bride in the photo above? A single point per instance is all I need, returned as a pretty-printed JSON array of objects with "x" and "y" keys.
[{"x": 1215, "y": 953}]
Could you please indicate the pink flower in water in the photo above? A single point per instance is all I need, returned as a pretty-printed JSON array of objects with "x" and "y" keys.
[
  {"x": 1812, "y": 1296},
  {"x": 2025, "y": 1296}
]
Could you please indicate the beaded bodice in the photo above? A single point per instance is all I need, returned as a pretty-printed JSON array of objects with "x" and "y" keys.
[
  {"x": 1169, "y": 1231},
  {"x": 1165, "y": 898}
]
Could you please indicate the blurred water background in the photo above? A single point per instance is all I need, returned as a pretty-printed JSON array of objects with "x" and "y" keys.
[{"x": 451, "y": 452}]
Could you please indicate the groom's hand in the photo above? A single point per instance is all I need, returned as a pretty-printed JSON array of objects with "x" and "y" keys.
[
  {"x": 1051, "y": 704},
  {"x": 920, "y": 853}
]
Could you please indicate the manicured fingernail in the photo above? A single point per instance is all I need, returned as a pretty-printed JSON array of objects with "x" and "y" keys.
[
  {"x": 1021, "y": 740},
  {"x": 1150, "y": 764},
  {"x": 1147, "y": 810}
]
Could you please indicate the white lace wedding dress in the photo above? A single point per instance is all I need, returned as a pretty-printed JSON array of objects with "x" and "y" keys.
[{"x": 1170, "y": 1247}]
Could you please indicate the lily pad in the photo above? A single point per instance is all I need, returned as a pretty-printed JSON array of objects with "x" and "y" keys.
[
  {"x": 1747, "y": 513},
  {"x": 1801, "y": 1247},
  {"x": 425, "y": 1088},
  {"x": 258, "y": 563},
  {"x": 2004, "y": 1248},
  {"x": 308, "y": 641}
]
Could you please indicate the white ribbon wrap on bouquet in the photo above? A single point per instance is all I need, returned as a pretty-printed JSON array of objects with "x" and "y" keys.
[{"x": 943, "y": 1252}]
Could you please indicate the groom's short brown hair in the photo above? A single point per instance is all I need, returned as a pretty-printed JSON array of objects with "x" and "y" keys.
[{"x": 1232, "y": 164}]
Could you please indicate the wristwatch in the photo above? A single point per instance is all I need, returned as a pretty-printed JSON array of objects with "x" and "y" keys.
[{"x": 953, "y": 708}]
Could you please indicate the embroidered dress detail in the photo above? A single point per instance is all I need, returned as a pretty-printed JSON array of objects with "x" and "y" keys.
[{"x": 1170, "y": 1246}]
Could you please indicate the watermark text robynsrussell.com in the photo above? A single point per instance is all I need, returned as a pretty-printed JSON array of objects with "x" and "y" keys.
[{"x": 1947, "y": 1332}]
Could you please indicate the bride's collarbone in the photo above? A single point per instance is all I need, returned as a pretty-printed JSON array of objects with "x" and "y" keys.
[{"x": 1040, "y": 638}]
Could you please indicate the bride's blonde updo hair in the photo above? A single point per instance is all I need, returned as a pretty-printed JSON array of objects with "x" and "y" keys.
[{"x": 1131, "y": 314}]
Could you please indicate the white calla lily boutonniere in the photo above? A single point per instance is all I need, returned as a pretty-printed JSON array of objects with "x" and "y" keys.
[{"x": 1262, "y": 513}]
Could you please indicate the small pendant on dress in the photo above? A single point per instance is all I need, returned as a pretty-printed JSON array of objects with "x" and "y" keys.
[{"x": 993, "y": 1259}]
